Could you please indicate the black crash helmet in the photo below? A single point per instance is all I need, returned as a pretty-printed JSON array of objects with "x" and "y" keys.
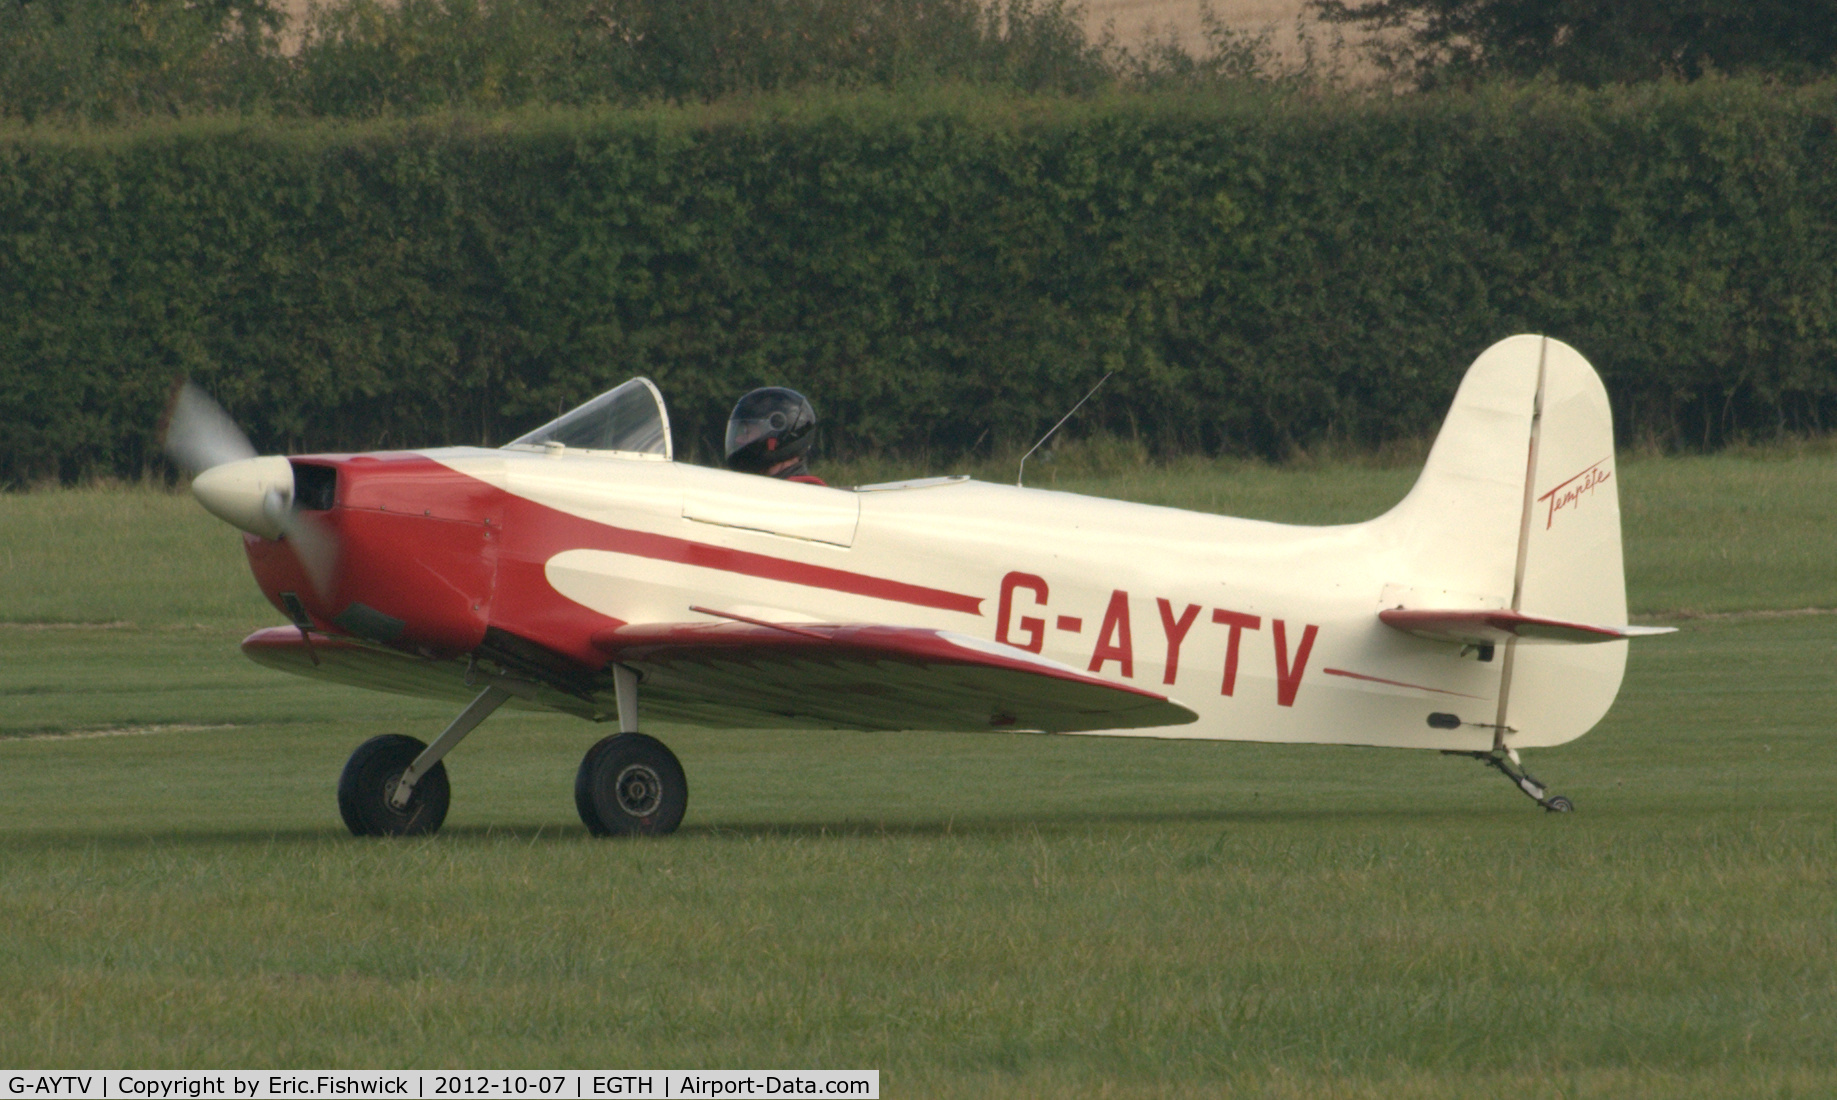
[{"x": 767, "y": 427}]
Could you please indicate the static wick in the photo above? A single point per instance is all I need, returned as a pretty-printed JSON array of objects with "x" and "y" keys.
[{"x": 1021, "y": 476}]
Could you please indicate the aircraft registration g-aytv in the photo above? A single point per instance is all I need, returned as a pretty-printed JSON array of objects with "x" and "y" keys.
[{"x": 580, "y": 569}]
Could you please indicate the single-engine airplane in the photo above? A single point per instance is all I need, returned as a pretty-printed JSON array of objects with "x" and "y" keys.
[{"x": 580, "y": 569}]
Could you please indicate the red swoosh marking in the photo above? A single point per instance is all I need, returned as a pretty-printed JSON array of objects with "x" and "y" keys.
[
  {"x": 1395, "y": 683},
  {"x": 684, "y": 552}
]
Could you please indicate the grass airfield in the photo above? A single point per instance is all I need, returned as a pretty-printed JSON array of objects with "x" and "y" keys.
[{"x": 972, "y": 915}]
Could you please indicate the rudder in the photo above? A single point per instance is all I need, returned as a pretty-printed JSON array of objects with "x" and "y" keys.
[{"x": 1571, "y": 565}]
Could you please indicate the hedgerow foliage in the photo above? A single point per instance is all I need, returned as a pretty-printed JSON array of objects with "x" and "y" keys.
[{"x": 939, "y": 272}]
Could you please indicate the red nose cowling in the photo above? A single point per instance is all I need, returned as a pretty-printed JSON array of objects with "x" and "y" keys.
[{"x": 417, "y": 553}]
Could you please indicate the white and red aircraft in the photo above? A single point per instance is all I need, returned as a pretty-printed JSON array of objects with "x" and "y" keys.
[{"x": 580, "y": 569}]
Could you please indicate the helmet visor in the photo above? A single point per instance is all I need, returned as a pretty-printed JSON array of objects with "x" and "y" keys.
[{"x": 744, "y": 433}]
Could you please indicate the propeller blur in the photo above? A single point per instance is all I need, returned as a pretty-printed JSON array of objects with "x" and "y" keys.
[{"x": 253, "y": 493}]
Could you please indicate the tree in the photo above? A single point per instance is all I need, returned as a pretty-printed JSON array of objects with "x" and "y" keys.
[
  {"x": 105, "y": 60},
  {"x": 1435, "y": 42}
]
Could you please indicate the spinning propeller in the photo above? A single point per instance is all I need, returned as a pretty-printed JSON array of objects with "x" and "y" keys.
[{"x": 249, "y": 491}]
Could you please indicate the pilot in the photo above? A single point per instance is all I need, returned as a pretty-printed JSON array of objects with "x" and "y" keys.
[{"x": 770, "y": 433}]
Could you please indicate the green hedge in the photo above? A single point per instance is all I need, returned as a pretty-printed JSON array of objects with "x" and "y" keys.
[{"x": 938, "y": 272}]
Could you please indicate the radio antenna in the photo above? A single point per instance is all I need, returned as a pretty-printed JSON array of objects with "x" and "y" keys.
[{"x": 1021, "y": 475}]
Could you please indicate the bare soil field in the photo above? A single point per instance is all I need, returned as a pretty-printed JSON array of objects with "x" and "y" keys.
[
  {"x": 1134, "y": 22},
  {"x": 1137, "y": 21}
]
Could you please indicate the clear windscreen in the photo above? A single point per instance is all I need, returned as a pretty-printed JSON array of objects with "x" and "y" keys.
[{"x": 629, "y": 418}]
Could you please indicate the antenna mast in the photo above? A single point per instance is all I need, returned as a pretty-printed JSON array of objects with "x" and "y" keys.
[{"x": 1022, "y": 473}]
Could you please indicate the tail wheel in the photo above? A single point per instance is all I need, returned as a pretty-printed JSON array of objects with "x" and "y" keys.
[
  {"x": 369, "y": 779},
  {"x": 631, "y": 785}
]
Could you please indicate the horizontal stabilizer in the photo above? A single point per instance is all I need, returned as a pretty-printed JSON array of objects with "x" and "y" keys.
[
  {"x": 1497, "y": 625},
  {"x": 864, "y": 676}
]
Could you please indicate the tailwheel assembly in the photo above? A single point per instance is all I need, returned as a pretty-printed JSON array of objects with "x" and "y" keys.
[{"x": 1505, "y": 761}]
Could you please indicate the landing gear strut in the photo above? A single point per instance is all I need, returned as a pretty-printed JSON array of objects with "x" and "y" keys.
[
  {"x": 397, "y": 786},
  {"x": 630, "y": 784},
  {"x": 1506, "y": 762}
]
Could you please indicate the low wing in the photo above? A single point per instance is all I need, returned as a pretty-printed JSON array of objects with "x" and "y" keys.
[
  {"x": 752, "y": 675},
  {"x": 380, "y": 668},
  {"x": 1492, "y": 627},
  {"x": 871, "y": 677}
]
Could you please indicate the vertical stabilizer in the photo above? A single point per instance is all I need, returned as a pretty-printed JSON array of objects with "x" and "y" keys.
[
  {"x": 1460, "y": 525},
  {"x": 1518, "y": 508}
]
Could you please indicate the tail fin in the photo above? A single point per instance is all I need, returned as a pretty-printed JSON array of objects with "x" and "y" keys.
[{"x": 1518, "y": 509}]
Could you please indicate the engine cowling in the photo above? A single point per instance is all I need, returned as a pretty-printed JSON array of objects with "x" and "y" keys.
[{"x": 415, "y": 552}]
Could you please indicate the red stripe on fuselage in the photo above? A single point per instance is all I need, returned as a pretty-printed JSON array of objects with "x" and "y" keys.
[
  {"x": 541, "y": 531},
  {"x": 427, "y": 503},
  {"x": 685, "y": 552}
]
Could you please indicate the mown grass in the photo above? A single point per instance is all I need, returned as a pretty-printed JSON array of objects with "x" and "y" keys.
[
  {"x": 121, "y": 554},
  {"x": 973, "y": 916}
]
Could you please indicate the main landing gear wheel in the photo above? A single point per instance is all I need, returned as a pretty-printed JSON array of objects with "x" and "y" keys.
[
  {"x": 369, "y": 779},
  {"x": 1557, "y": 804},
  {"x": 630, "y": 785}
]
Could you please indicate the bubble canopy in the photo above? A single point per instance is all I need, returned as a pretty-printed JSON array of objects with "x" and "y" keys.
[{"x": 628, "y": 420}]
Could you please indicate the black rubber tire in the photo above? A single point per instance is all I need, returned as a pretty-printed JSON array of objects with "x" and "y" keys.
[
  {"x": 368, "y": 778},
  {"x": 1557, "y": 804},
  {"x": 631, "y": 785},
  {"x": 583, "y": 789}
]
